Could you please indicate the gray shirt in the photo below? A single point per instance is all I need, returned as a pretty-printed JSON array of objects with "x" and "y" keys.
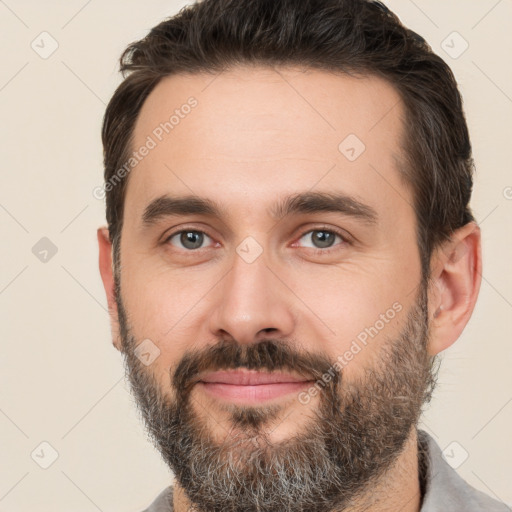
[{"x": 445, "y": 490}]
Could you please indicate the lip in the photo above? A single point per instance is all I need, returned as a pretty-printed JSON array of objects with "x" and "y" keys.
[
  {"x": 250, "y": 378},
  {"x": 250, "y": 386}
]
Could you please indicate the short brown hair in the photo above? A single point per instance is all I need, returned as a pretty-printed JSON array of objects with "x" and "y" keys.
[{"x": 352, "y": 36}]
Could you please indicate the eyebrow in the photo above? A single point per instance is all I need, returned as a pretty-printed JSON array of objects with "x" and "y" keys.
[
  {"x": 306, "y": 202},
  {"x": 314, "y": 202}
]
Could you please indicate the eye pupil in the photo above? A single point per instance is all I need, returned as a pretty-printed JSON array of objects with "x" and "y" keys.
[
  {"x": 323, "y": 238},
  {"x": 191, "y": 237}
]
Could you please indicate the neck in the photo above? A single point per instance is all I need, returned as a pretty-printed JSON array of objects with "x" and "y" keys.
[{"x": 397, "y": 489}]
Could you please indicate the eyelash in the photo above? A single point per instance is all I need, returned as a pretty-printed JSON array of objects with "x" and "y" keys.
[
  {"x": 317, "y": 251},
  {"x": 326, "y": 229}
]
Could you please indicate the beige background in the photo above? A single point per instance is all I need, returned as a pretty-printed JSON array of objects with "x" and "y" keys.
[{"x": 61, "y": 380}]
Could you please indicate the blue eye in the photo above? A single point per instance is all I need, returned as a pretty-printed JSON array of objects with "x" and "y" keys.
[{"x": 189, "y": 239}]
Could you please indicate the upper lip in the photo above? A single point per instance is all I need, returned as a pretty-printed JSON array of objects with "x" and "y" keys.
[{"x": 249, "y": 377}]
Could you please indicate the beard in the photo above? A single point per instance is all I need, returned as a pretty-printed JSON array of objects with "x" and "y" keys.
[{"x": 358, "y": 429}]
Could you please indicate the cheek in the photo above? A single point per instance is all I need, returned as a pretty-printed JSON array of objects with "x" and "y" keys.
[
  {"x": 160, "y": 309},
  {"x": 352, "y": 311}
]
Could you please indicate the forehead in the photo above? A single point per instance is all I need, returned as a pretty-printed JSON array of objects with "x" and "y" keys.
[{"x": 250, "y": 133}]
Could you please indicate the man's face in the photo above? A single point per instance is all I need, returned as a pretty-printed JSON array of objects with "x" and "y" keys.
[{"x": 265, "y": 284}]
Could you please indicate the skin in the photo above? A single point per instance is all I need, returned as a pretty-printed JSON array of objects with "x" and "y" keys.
[{"x": 256, "y": 136}]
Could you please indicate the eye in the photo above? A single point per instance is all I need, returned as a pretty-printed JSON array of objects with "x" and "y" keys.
[
  {"x": 322, "y": 238},
  {"x": 189, "y": 239}
]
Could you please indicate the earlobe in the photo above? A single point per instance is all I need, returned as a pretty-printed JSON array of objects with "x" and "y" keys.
[
  {"x": 454, "y": 286},
  {"x": 107, "y": 276}
]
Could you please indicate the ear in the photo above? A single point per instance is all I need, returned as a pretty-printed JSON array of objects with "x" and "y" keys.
[
  {"x": 107, "y": 276},
  {"x": 456, "y": 274}
]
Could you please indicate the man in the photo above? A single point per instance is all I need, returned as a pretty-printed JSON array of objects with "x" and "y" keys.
[{"x": 289, "y": 247}]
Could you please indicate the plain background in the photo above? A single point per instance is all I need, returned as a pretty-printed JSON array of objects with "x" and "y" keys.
[{"x": 61, "y": 380}]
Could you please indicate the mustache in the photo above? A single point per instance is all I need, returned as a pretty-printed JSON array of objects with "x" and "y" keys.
[{"x": 270, "y": 355}]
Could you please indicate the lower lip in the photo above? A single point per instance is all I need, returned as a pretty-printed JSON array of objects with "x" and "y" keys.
[{"x": 252, "y": 394}]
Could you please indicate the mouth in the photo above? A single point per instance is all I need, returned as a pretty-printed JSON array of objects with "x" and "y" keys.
[{"x": 251, "y": 386}]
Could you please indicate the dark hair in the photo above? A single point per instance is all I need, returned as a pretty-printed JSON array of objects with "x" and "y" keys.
[{"x": 361, "y": 37}]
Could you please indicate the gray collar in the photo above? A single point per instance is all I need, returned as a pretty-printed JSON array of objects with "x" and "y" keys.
[{"x": 444, "y": 489}]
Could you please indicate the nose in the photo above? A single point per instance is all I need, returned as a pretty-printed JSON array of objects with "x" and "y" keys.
[{"x": 252, "y": 303}]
